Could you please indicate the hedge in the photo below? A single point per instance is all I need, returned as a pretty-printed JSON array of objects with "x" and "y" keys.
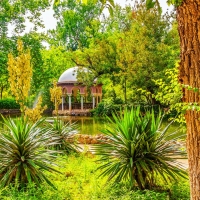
[{"x": 8, "y": 104}]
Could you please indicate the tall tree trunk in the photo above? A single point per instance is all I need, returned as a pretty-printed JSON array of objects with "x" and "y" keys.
[{"x": 188, "y": 17}]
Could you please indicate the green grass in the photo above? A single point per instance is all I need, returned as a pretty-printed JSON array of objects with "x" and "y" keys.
[{"x": 80, "y": 181}]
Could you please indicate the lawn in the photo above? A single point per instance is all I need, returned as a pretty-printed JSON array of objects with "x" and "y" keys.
[{"x": 79, "y": 180}]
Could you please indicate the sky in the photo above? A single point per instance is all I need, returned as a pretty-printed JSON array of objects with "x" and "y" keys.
[{"x": 50, "y": 22}]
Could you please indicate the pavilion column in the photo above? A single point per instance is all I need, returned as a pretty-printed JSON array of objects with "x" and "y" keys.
[
  {"x": 70, "y": 102},
  {"x": 93, "y": 102},
  {"x": 63, "y": 101},
  {"x": 97, "y": 99},
  {"x": 81, "y": 102}
]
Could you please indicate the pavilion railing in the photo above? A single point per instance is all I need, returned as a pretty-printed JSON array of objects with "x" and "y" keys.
[{"x": 76, "y": 106}]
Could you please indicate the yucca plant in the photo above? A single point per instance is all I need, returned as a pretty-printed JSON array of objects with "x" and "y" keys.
[
  {"x": 65, "y": 135},
  {"x": 24, "y": 153},
  {"x": 138, "y": 150}
]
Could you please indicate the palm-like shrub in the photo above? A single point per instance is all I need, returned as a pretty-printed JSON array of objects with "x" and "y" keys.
[
  {"x": 64, "y": 132},
  {"x": 138, "y": 150},
  {"x": 23, "y": 153}
]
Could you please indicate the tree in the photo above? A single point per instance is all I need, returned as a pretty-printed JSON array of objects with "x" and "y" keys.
[
  {"x": 15, "y": 13},
  {"x": 6, "y": 44},
  {"x": 149, "y": 50},
  {"x": 77, "y": 23},
  {"x": 20, "y": 73},
  {"x": 55, "y": 61},
  {"x": 188, "y": 27},
  {"x": 33, "y": 41},
  {"x": 104, "y": 3},
  {"x": 56, "y": 95},
  {"x": 134, "y": 54},
  {"x": 189, "y": 74}
]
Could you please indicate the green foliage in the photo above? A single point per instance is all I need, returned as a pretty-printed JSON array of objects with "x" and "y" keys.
[
  {"x": 105, "y": 107},
  {"x": 15, "y": 13},
  {"x": 64, "y": 135},
  {"x": 180, "y": 190},
  {"x": 8, "y": 104},
  {"x": 170, "y": 92},
  {"x": 138, "y": 151},
  {"x": 77, "y": 23},
  {"x": 55, "y": 61},
  {"x": 23, "y": 153},
  {"x": 33, "y": 41},
  {"x": 135, "y": 48},
  {"x": 152, "y": 3},
  {"x": 151, "y": 51},
  {"x": 174, "y": 2},
  {"x": 80, "y": 180}
]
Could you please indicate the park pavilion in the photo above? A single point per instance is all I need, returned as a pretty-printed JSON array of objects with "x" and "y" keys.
[{"x": 78, "y": 98}]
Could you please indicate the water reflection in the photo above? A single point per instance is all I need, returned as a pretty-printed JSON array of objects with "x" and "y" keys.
[
  {"x": 93, "y": 125},
  {"x": 88, "y": 125}
]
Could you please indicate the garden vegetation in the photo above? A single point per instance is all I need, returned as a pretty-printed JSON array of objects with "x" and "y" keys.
[
  {"x": 130, "y": 52},
  {"x": 37, "y": 160}
]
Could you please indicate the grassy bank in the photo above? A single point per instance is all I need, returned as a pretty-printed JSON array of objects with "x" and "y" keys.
[{"x": 79, "y": 180}]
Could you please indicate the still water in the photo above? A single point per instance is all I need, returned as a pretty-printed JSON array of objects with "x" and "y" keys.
[
  {"x": 87, "y": 125},
  {"x": 93, "y": 125}
]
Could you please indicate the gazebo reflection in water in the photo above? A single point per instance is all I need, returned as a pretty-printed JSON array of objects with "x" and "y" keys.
[{"x": 77, "y": 98}]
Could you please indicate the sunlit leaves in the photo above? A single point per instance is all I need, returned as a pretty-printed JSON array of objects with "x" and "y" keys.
[
  {"x": 174, "y": 2},
  {"x": 35, "y": 113},
  {"x": 132, "y": 51},
  {"x": 20, "y": 74},
  {"x": 103, "y": 2},
  {"x": 152, "y": 3},
  {"x": 77, "y": 24},
  {"x": 56, "y": 94},
  {"x": 141, "y": 50}
]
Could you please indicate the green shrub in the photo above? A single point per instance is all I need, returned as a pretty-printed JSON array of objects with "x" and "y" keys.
[
  {"x": 24, "y": 154},
  {"x": 180, "y": 190},
  {"x": 137, "y": 150},
  {"x": 105, "y": 107},
  {"x": 8, "y": 104},
  {"x": 64, "y": 135}
]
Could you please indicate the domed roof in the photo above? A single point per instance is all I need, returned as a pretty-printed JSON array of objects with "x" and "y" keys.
[{"x": 70, "y": 75}]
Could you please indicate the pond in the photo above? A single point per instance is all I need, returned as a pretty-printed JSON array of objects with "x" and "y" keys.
[
  {"x": 87, "y": 125},
  {"x": 94, "y": 125}
]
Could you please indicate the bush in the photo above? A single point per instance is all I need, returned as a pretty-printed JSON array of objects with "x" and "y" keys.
[
  {"x": 8, "y": 104},
  {"x": 180, "y": 190},
  {"x": 24, "y": 154},
  {"x": 137, "y": 150},
  {"x": 105, "y": 107},
  {"x": 64, "y": 135}
]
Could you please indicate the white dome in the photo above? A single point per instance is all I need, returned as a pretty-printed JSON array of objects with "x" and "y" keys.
[{"x": 70, "y": 75}]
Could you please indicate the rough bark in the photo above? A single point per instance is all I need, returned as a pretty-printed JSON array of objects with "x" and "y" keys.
[{"x": 188, "y": 17}]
